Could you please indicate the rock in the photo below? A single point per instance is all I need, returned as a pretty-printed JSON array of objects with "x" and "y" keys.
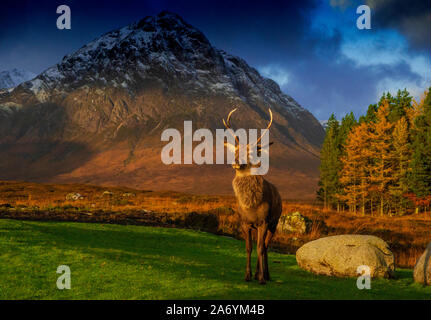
[
  {"x": 293, "y": 223},
  {"x": 422, "y": 270},
  {"x": 341, "y": 256},
  {"x": 107, "y": 194},
  {"x": 128, "y": 194},
  {"x": 74, "y": 196}
]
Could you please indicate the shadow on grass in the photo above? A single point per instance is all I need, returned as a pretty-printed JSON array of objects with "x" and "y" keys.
[{"x": 173, "y": 251}]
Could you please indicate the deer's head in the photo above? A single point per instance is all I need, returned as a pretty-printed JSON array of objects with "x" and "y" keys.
[{"x": 246, "y": 155}]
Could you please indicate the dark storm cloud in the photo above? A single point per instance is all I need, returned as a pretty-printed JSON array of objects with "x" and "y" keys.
[
  {"x": 412, "y": 18},
  {"x": 251, "y": 26}
]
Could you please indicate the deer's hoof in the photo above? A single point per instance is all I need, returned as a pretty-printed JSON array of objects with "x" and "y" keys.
[
  {"x": 248, "y": 277},
  {"x": 262, "y": 281}
]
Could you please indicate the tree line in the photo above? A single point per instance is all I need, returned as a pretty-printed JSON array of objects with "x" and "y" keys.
[{"x": 381, "y": 163}]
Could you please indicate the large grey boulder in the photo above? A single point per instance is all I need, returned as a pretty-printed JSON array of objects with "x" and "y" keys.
[
  {"x": 341, "y": 256},
  {"x": 422, "y": 271}
]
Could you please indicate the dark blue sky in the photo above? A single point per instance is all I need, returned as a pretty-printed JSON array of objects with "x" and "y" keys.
[{"x": 312, "y": 48}]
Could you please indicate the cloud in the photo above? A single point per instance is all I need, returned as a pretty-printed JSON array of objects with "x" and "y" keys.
[
  {"x": 412, "y": 18},
  {"x": 384, "y": 47},
  {"x": 276, "y": 73},
  {"x": 388, "y": 51}
]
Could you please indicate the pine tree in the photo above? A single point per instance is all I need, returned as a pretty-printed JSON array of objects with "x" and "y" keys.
[
  {"x": 329, "y": 166},
  {"x": 420, "y": 175},
  {"x": 347, "y": 123},
  {"x": 370, "y": 115},
  {"x": 399, "y": 105}
]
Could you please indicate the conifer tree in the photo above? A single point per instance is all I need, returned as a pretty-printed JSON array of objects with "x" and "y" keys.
[
  {"x": 347, "y": 123},
  {"x": 399, "y": 105},
  {"x": 354, "y": 175},
  {"x": 370, "y": 115},
  {"x": 380, "y": 154},
  {"x": 401, "y": 162},
  {"x": 330, "y": 164},
  {"x": 420, "y": 166}
]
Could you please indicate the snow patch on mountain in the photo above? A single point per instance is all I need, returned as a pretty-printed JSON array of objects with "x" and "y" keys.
[
  {"x": 12, "y": 78},
  {"x": 324, "y": 123}
]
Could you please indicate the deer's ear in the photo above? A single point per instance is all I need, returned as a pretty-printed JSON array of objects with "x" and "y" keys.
[
  {"x": 230, "y": 147},
  {"x": 259, "y": 147}
]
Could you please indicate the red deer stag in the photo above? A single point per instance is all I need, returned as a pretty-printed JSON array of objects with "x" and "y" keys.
[{"x": 259, "y": 205}]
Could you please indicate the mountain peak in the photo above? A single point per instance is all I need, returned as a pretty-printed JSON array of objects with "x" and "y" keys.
[
  {"x": 167, "y": 22},
  {"x": 170, "y": 16},
  {"x": 162, "y": 50}
]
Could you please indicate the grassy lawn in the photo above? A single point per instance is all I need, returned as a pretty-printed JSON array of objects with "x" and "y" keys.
[{"x": 134, "y": 262}]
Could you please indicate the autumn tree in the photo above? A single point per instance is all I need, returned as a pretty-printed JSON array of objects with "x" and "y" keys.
[
  {"x": 354, "y": 174},
  {"x": 385, "y": 158},
  {"x": 380, "y": 166},
  {"x": 401, "y": 162}
]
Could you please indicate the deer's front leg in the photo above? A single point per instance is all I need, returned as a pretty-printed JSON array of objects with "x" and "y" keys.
[
  {"x": 261, "y": 234},
  {"x": 249, "y": 248}
]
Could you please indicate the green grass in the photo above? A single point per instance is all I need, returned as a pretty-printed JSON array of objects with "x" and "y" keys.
[{"x": 134, "y": 262}]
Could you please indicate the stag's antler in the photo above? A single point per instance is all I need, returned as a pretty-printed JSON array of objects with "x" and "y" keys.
[
  {"x": 227, "y": 125},
  {"x": 266, "y": 130}
]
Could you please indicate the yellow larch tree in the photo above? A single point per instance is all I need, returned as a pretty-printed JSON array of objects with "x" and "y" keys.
[
  {"x": 401, "y": 160},
  {"x": 354, "y": 174},
  {"x": 381, "y": 155}
]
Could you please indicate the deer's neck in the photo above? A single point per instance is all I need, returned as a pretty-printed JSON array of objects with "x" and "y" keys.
[{"x": 248, "y": 190}]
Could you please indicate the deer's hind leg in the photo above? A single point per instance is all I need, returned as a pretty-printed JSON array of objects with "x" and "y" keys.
[{"x": 268, "y": 239}]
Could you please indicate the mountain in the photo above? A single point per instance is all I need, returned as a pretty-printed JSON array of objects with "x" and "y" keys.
[
  {"x": 97, "y": 116},
  {"x": 12, "y": 78}
]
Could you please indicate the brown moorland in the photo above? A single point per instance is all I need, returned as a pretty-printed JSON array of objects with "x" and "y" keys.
[{"x": 407, "y": 235}]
